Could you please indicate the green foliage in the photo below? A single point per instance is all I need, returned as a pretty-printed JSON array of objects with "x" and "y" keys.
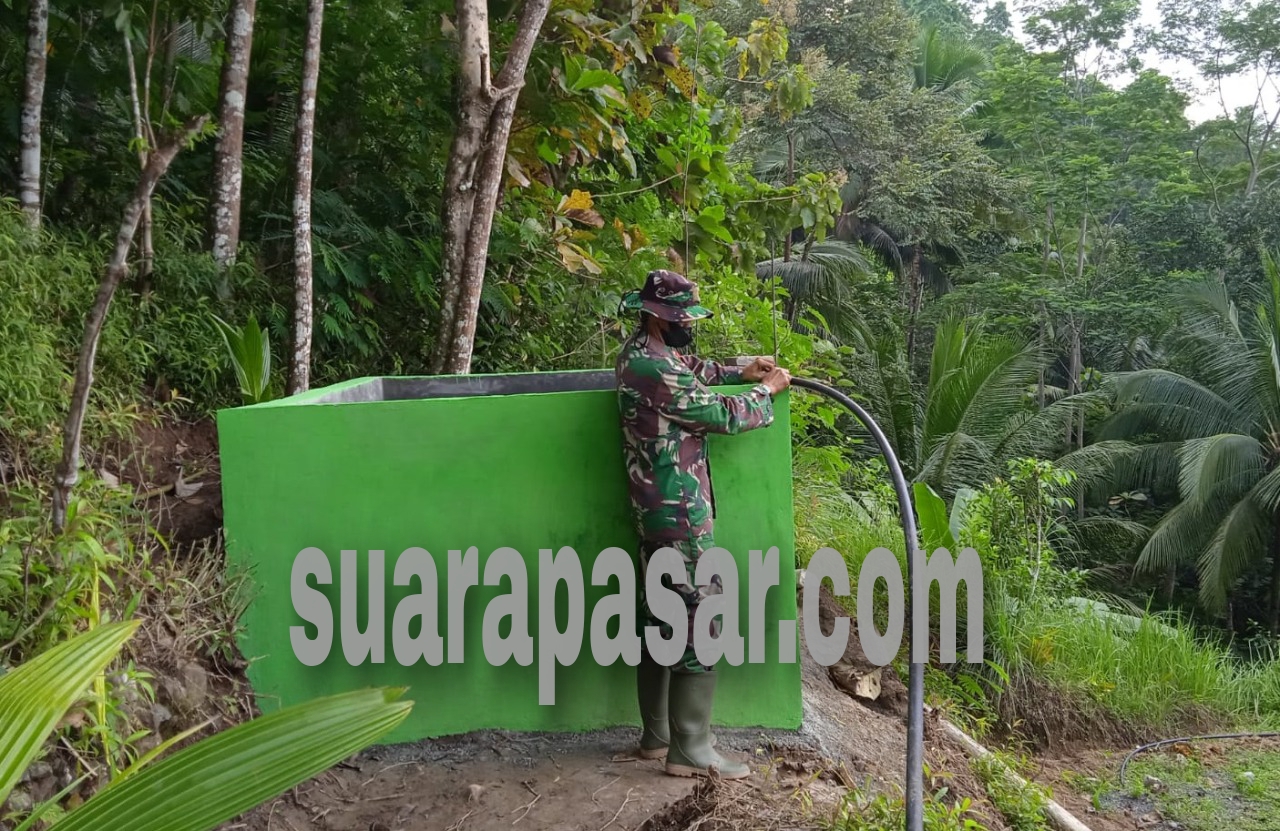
[
  {"x": 49, "y": 581},
  {"x": 51, "y": 584},
  {"x": 822, "y": 188},
  {"x": 250, "y": 352},
  {"x": 48, "y": 283},
  {"x": 935, "y": 526},
  {"x": 200, "y": 786},
  {"x": 1016, "y": 524},
  {"x": 1150, "y": 670},
  {"x": 975, "y": 413},
  {"x": 880, "y": 812},
  {"x": 1216, "y": 419},
  {"x": 946, "y": 64},
  {"x": 41, "y": 690},
  {"x": 1022, "y": 806},
  {"x": 1237, "y": 788},
  {"x": 1147, "y": 669}
]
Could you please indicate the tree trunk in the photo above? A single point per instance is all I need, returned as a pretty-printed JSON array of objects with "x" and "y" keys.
[
  {"x": 300, "y": 364},
  {"x": 1073, "y": 383},
  {"x": 791, "y": 180},
  {"x": 1275, "y": 576},
  {"x": 1080, "y": 482},
  {"x": 464, "y": 153},
  {"x": 915, "y": 301},
  {"x": 1077, "y": 355},
  {"x": 473, "y": 176},
  {"x": 1080, "y": 249},
  {"x": 1073, "y": 379},
  {"x": 67, "y": 472},
  {"x": 142, "y": 135},
  {"x": 170, "y": 62},
  {"x": 1044, "y": 313},
  {"x": 32, "y": 103},
  {"x": 228, "y": 153},
  {"x": 1040, "y": 391}
]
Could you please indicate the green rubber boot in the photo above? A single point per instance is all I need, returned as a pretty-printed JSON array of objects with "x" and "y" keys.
[
  {"x": 651, "y": 689},
  {"x": 691, "y": 752},
  {"x": 652, "y": 693}
]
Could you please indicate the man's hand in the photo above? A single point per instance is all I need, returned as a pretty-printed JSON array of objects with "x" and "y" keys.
[
  {"x": 757, "y": 369},
  {"x": 777, "y": 380}
]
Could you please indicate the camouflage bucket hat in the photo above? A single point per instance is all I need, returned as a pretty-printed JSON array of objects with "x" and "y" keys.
[{"x": 667, "y": 295}]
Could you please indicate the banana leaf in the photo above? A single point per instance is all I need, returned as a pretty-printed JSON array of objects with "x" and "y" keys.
[{"x": 935, "y": 527}]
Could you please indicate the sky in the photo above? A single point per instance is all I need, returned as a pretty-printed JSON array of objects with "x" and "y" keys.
[
  {"x": 1235, "y": 92},
  {"x": 1205, "y": 100}
]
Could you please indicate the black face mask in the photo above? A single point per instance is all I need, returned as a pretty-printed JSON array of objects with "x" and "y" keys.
[{"x": 677, "y": 336}]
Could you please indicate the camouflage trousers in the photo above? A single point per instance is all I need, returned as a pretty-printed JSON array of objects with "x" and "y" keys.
[{"x": 693, "y": 594}]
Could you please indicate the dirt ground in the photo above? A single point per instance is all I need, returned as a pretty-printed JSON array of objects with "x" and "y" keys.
[
  {"x": 173, "y": 465},
  {"x": 592, "y": 781},
  {"x": 490, "y": 781}
]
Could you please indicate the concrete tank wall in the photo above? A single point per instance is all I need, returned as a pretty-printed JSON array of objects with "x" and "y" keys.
[{"x": 487, "y": 461}]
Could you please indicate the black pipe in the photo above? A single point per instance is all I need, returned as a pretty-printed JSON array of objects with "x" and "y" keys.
[
  {"x": 915, "y": 687},
  {"x": 1125, "y": 764}
]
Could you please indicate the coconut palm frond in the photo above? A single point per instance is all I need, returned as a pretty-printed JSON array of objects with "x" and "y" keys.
[
  {"x": 831, "y": 260},
  {"x": 1178, "y": 538},
  {"x": 1162, "y": 401},
  {"x": 977, "y": 381},
  {"x": 822, "y": 281},
  {"x": 1238, "y": 542},
  {"x": 944, "y": 63},
  {"x": 852, "y": 228},
  {"x": 1108, "y": 533},
  {"x": 885, "y": 384},
  {"x": 1220, "y": 468},
  {"x": 954, "y": 460},
  {"x": 771, "y": 162}
]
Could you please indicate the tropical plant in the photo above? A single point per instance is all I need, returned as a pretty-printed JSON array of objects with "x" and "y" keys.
[
  {"x": 822, "y": 279},
  {"x": 1219, "y": 425},
  {"x": 976, "y": 411},
  {"x": 947, "y": 65},
  {"x": 940, "y": 527},
  {"x": 200, "y": 786},
  {"x": 250, "y": 351}
]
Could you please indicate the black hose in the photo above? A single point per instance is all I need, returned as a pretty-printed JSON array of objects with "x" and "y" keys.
[
  {"x": 915, "y": 688},
  {"x": 1125, "y": 764}
]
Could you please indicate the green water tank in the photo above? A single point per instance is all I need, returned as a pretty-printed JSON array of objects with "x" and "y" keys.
[{"x": 399, "y": 471}]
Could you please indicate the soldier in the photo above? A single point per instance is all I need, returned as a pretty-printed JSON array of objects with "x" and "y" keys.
[{"x": 667, "y": 410}]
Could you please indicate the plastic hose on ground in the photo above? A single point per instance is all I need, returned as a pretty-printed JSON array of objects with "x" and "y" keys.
[
  {"x": 1125, "y": 764},
  {"x": 915, "y": 686}
]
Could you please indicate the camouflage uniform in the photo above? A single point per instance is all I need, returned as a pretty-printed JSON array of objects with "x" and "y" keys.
[{"x": 667, "y": 410}]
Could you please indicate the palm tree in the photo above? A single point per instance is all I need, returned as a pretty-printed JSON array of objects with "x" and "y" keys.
[
  {"x": 1219, "y": 426},
  {"x": 948, "y": 66},
  {"x": 821, "y": 279},
  {"x": 976, "y": 411}
]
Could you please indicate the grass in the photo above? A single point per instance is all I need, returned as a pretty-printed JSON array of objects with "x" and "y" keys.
[
  {"x": 942, "y": 811},
  {"x": 1163, "y": 674},
  {"x": 828, "y": 517},
  {"x": 1021, "y": 806},
  {"x": 1206, "y": 791}
]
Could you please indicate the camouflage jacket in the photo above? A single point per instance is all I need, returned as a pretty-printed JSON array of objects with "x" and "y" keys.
[{"x": 667, "y": 410}]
